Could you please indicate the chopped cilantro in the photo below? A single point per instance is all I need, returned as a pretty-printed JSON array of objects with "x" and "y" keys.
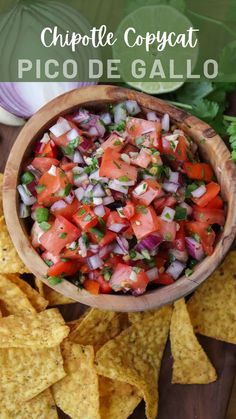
[
  {"x": 117, "y": 143},
  {"x": 117, "y": 164},
  {"x": 65, "y": 260},
  {"x": 54, "y": 280},
  {"x": 141, "y": 209},
  {"x": 81, "y": 212},
  {"x": 66, "y": 191},
  {"x": 88, "y": 217},
  {"x": 188, "y": 272},
  {"x": 180, "y": 214},
  {"x": 136, "y": 269},
  {"x": 48, "y": 262},
  {"x": 132, "y": 254},
  {"x": 190, "y": 188},
  {"x": 70, "y": 148},
  {"x": 196, "y": 237},
  {"x": 85, "y": 239},
  {"x": 98, "y": 233},
  {"x": 107, "y": 273}
]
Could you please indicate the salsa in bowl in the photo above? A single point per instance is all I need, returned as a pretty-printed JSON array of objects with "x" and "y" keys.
[{"x": 120, "y": 200}]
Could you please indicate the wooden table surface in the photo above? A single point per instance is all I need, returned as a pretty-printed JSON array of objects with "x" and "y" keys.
[{"x": 175, "y": 401}]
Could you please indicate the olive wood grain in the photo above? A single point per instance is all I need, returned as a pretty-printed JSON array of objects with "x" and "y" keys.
[{"x": 212, "y": 149}]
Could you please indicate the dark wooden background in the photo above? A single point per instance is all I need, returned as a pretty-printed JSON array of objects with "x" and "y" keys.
[{"x": 175, "y": 401}]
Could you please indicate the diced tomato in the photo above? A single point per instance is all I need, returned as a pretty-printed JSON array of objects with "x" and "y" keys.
[
  {"x": 130, "y": 148},
  {"x": 165, "y": 201},
  {"x": 48, "y": 150},
  {"x": 114, "y": 167},
  {"x": 212, "y": 190},
  {"x": 143, "y": 159},
  {"x": 208, "y": 215},
  {"x": 129, "y": 233},
  {"x": 149, "y": 130},
  {"x": 105, "y": 287},
  {"x": 107, "y": 213},
  {"x": 180, "y": 236},
  {"x": 124, "y": 277},
  {"x": 108, "y": 238},
  {"x": 113, "y": 260},
  {"x": 144, "y": 222},
  {"x": 64, "y": 139},
  {"x": 43, "y": 164},
  {"x": 53, "y": 187},
  {"x": 167, "y": 229},
  {"x": 60, "y": 234},
  {"x": 199, "y": 171},
  {"x": 114, "y": 218},
  {"x": 180, "y": 153},
  {"x": 68, "y": 210},
  {"x": 115, "y": 142},
  {"x": 129, "y": 210},
  {"x": 85, "y": 218},
  {"x": 206, "y": 234},
  {"x": 68, "y": 166},
  {"x": 164, "y": 279},
  {"x": 69, "y": 268},
  {"x": 47, "y": 256},
  {"x": 151, "y": 190},
  {"x": 160, "y": 261},
  {"x": 71, "y": 254},
  {"x": 216, "y": 203},
  {"x": 91, "y": 286}
]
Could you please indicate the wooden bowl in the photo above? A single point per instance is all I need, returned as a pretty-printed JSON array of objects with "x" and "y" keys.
[{"x": 212, "y": 149}]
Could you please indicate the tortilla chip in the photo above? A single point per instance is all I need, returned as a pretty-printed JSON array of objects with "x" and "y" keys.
[
  {"x": 40, "y": 407},
  {"x": 117, "y": 396},
  {"x": 37, "y": 301},
  {"x": 140, "y": 315},
  {"x": 1, "y": 186},
  {"x": 212, "y": 308},
  {"x": 77, "y": 394},
  {"x": 44, "y": 330},
  {"x": 54, "y": 298},
  {"x": 27, "y": 372},
  {"x": 135, "y": 356},
  {"x": 9, "y": 259},
  {"x": 96, "y": 328},
  {"x": 191, "y": 364},
  {"x": 40, "y": 286},
  {"x": 12, "y": 298}
]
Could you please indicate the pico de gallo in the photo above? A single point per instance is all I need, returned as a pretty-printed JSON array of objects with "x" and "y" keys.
[{"x": 120, "y": 201}]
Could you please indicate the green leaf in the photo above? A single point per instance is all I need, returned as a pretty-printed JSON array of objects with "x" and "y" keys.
[
  {"x": 204, "y": 109},
  {"x": 194, "y": 91}
]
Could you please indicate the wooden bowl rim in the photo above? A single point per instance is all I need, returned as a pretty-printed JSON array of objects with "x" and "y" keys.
[{"x": 94, "y": 95}]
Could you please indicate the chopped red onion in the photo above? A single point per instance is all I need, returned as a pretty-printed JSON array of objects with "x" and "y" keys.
[
  {"x": 95, "y": 176},
  {"x": 82, "y": 246},
  {"x": 85, "y": 145},
  {"x": 99, "y": 210},
  {"x": 78, "y": 157},
  {"x": 61, "y": 127},
  {"x": 81, "y": 179},
  {"x": 168, "y": 214},
  {"x": 120, "y": 113},
  {"x": 31, "y": 187},
  {"x": 170, "y": 187},
  {"x": 106, "y": 118},
  {"x": 94, "y": 248},
  {"x": 93, "y": 132},
  {"x": 24, "y": 211},
  {"x": 88, "y": 191},
  {"x": 72, "y": 134},
  {"x": 174, "y": 177},
  {"x": 194, "y": 248},
  {"x": 117, "y": 228},
  {"x": 123, "y": 243},
  {"x": 108, "y": 200},
  {"x": 69, "y": 198},
  {"x": 152, "y": 116},
  {"x": 27, "y": 198},
  {"x": 132, "y": 107},
  {"x": 79, "y": 193},
  {"x": 81, "y": 116},
  {"x": 118, "y": 250},
  {"x": 180, "y": 255},
  {"x": 199, "y": 191},
  {"x": 115, "y": 185},
  {"x": 175, "y": 269},
  {"x": 58, "y": 206},
  {"x": 150, "y": 243},
  {"x": 165, "y": 122},
  {"x": 152, "y": 274},
  {"x": 98, "y": 191},
  {"x": 35, "y": 172},
  {"x": 105, "y": 250},
  {"x": 187, "y": 207},
  {"x": 94, "y": 262}
]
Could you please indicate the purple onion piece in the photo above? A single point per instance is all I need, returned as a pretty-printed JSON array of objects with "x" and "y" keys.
[
  {"x": 99, "y": 210},
  {"x": 152, "y": 274},
  {"x": 150, "y": 243},
  {"x": 94, "y": 262},
  {"x": 123, "y": 243},
  {"x": 175, "y": 269},
  {"x": 194, "y": 248}
]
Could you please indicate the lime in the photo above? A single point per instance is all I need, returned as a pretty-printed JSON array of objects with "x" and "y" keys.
[{"x": 154, "y": 88}]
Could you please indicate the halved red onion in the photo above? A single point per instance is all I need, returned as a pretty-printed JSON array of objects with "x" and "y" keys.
[
  {"x": 123, "y": 243},
  {"x": 174, "y": 177},
  {"x": 194, "y": 248},
  {"x": 24, "y": 211},
  {"x": 152, "y": 116},
  {"x": 168, "y": 214},
  {"x": 117, "y": 186},
  {"x": 120, "y": 113},
  {"x": 78, "y": 157},
  {"x": 132, "y": 107},
  {"x": 69, "y": 198},
  {"x": 27, "y": 198},
  {"x": 199, "y": 191},
  {"x": 150, "y": 243},
  {"x": 165, "y": 122},
  {"x": 61, "y": 127},
  {"x": 58, "y": 205},
  {"x": 94, "y": 262},
  {"x": 170, "y": 187},
  {"x": 108, "y": 200},
  {"x": 106, "y": 118},
  {"x": 152, "y": 274},
  {"x": 180, "y": 255},
  {"x": 98, "y": 191},
  {"x": 105, "y": 250},
  {"x": 99, "y": 210},
  {"x": 187, "y": 207},
  {"x": 79, "y": 193},
  {"x": 175, "y": 269}
]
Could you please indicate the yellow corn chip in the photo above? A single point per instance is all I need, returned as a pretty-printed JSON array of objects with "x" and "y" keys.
[
  {"x": 37, "y": 301},
  {"x": 77, "y": 394},
  {"x": 137, "y": 316},
  {"x": 27, "y": 372},
  {"x": 40, "y": 407},
  {"x": 9, "y": 259},
  {"x": 93, "y": 329},
  {"x": 117, "y": 399},
  {"x": 212, "y": 308},
  {"x": 40, "y": 286},
  {"x": 135, "y": 356},
  {"x": 43, "y": 330},
  {"x": 12, "y": 298},
  {"x": 1, "y": 185},
  {"x": 191, "y": 364},
  {"x": 54, "y": 298}
]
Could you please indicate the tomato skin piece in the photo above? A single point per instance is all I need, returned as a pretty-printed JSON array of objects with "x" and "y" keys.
[
  {"x": 129, "y": 210},
  {"x": 66, "y": 167},
  {"x": 212, "y": 190},
  {"x": 143, "y": 159},
  {"x": 145, "y": 222},
  {"x": 180, "y": 237},
  {"x": 60, "y": 234},
  {"x": 181, "y": 152},
  {"x": 43, "y": 164},
  {"x": 68, "y": 211},
  {"x": 64, "y": 268},
  {"x": 208, "y": 215},
  {"x": 151, "y": 130},
  {"x": 121, "y": 279},
  {"x": 198, "y": 171},
  {"x": 113, "y": 143},
  {"x": 216, "y": 203},
  {"x": 207, "y": 236},
  {"x": 53, "y": 185},
  {"x": 114, "y": 167},
  {"x": 109, "y": 237},
  {"x": 164, "y": 279},
  {"x": 104, "y": 286},
  {"x": 91, "y": 286},
  {"x": 107, "y": 213},
  {"x": 165, "y": 201},
  {"x": 85, "y": 218},
  {"x": 167, "y": 229},
  {"x": 152, "y": 192}
]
